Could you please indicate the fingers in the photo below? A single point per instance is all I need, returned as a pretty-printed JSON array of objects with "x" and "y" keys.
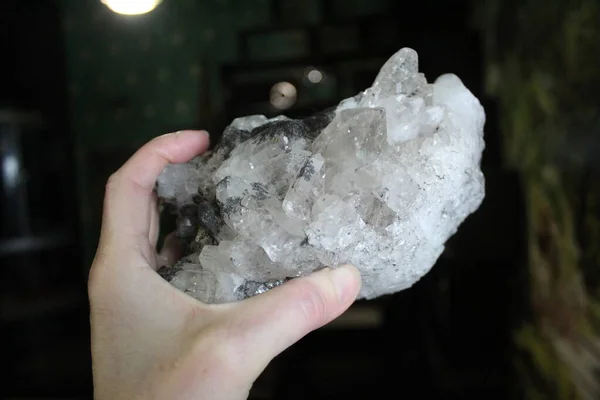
[
  {"x": 271, "y": 322},
  {"x": 170, "y": 252},
  {"x": 129, "y": 204}
]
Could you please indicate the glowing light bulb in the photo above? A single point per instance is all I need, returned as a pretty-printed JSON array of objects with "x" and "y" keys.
[
  {"x": 131, "y": 7},
  {"x": 283, "y": 95}
]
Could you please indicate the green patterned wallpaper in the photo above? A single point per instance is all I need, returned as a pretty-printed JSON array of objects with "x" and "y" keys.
[{"x": 133, "y": 77}]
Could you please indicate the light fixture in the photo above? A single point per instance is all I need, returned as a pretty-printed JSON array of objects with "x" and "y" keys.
[
  {"x": 131, "y": 7},
  {"x": 314, "y": 76},
  {"x": 283, "y": 95}
]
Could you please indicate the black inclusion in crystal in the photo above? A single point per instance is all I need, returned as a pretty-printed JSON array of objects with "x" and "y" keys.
[{"x": 307, "y": 170}]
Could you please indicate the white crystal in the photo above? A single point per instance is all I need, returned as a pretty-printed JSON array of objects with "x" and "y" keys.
[
  {"x": 248, "y": 123},
  {"x": 207, "y": 286},
  {"x": 382, "y": 184}
]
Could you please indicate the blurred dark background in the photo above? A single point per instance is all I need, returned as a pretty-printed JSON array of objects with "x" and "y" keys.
[{"x": 83, "y": 87}]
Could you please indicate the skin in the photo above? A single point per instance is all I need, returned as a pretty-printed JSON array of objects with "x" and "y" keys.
[{"x": 151, "y": 341}]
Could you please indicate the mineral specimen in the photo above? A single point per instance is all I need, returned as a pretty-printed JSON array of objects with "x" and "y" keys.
[{"x": 381, "y": 181}]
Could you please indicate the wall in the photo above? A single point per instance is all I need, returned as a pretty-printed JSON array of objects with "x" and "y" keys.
[{"x": 135, "y": 77}]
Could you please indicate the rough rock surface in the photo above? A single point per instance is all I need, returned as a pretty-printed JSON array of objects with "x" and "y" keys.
[{"x": 381, "y": 182}]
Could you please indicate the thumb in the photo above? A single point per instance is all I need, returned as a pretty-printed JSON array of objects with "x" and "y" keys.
[{"x": 271, "y": 322}]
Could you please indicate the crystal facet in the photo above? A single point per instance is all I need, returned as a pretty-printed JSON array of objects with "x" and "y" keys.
[{"x": 381, "y": 182}]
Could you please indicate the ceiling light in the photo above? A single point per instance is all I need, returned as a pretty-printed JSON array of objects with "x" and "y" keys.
[
  {"x": 315, "y": 76},
  {"x": 283, "y": 95},
  {"x": 131, "y": 7}
]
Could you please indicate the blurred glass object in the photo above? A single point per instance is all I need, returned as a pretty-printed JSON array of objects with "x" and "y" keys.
[
  {"x": 29, "y": 221},
  {"x": 13, "y": 193},
  {"x": 132, "y": 7},
  {"x": 10, "y": 168}
]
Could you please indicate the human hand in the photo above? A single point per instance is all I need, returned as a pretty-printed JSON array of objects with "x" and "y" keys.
[{"x": 152, "y": 341}]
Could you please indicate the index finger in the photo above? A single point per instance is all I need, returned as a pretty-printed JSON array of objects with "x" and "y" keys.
[{"x": 128, "y": 202}]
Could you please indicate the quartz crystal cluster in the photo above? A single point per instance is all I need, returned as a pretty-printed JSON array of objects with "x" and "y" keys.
[{"x": 381, "y": 182}]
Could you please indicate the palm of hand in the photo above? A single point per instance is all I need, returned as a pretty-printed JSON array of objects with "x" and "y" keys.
[{"x": 151, "y": 341}]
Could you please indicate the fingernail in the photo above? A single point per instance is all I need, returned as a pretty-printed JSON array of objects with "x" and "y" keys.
[
  {"x": 201, "y": 133},
  {"x": 343, "y": 278},
  {"x": 204, "y": 133}
]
